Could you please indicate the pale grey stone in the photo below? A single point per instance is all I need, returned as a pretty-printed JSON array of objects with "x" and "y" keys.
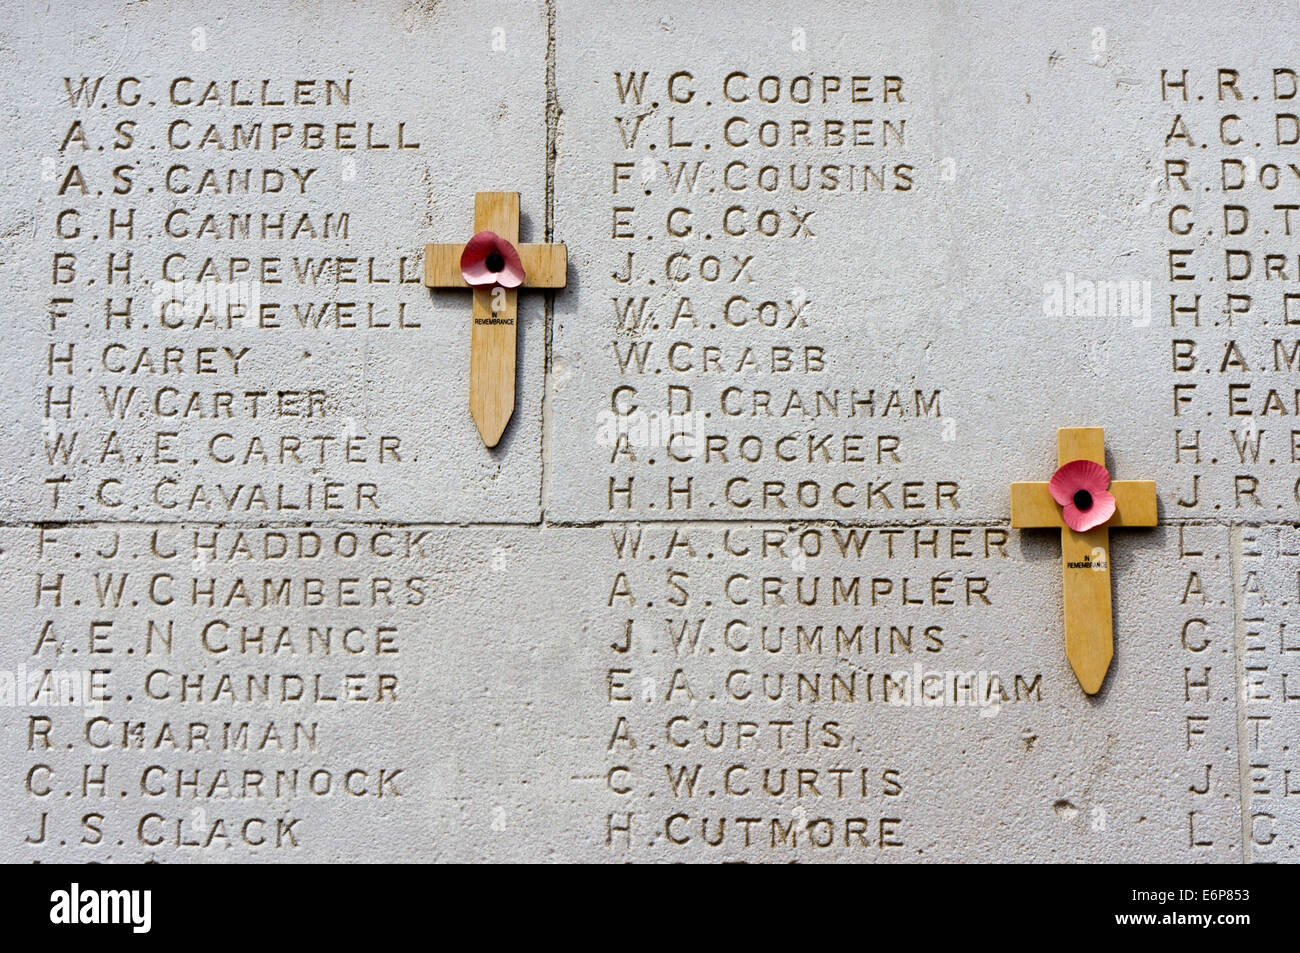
[
  {"x": 515, "y": 722},
  {"x": 464, "y": 100}
]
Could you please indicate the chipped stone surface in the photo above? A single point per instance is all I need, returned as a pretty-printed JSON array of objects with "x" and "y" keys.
[{"x": 738, "y": 583}]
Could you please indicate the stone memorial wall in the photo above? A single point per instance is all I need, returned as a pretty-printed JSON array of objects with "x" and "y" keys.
[{"x": 739, "y": 582}]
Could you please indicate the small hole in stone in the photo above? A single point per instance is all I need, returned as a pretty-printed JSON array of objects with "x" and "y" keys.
[
  {"x": 495, "y": 261},
  {"x": 1083, "y": 500}
]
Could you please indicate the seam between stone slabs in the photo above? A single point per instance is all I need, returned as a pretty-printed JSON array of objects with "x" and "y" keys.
[
  {"x": 1238, "y": 689},
  {"x": 548, "y": 304},
  {"x": 803, "y": 522}
]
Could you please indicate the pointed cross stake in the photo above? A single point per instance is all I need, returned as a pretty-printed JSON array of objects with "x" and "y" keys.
[
  {"x": 492, "y": 337},
  {"x": 1085, "y": 556}
]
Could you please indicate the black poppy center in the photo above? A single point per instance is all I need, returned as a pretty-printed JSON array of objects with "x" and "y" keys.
[
  {"x": 495, "y": 261},
  {"x": 1083, "y": 500}
]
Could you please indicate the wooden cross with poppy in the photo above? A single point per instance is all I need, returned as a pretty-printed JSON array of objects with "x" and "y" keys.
[
  {"x": 495, "y": 265},
  {"x": 1083, "y": 502}
]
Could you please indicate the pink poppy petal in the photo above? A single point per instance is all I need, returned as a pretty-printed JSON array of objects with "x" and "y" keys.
[
  {"x": 479, "y": 250},
  {"x": 1075, "y": 476},
  {"x": 512, "y": 274},
  {"x": 473, "y": 260},
  {"x": 477, "y": 275}
]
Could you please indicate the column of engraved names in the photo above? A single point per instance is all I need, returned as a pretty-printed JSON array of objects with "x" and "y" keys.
[
  {"x": 203, "y": 277},
  {"x": 1268, "y": 590},
  {"x": 739, "y": 385},
  {"x": 203, "y": 283},
  {"x": 1203, "y": 625},
  {"x": 766, "y": 682},
  {"x": 743, "y": 677},
  {"x": 1234, "y": 303},
  {"x": 1230, "y": 138},
  {"x": 189, "y": 684}
]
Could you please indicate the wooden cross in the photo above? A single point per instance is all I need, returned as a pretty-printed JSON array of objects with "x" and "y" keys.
[
  {"x": 1085, "y": 556},
  {"x": 492, "y": 336}
]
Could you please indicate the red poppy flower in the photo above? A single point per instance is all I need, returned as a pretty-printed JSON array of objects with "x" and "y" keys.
[
  {"x": 488, "y": 259},
  {"x": 1081, "y": 487}
]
